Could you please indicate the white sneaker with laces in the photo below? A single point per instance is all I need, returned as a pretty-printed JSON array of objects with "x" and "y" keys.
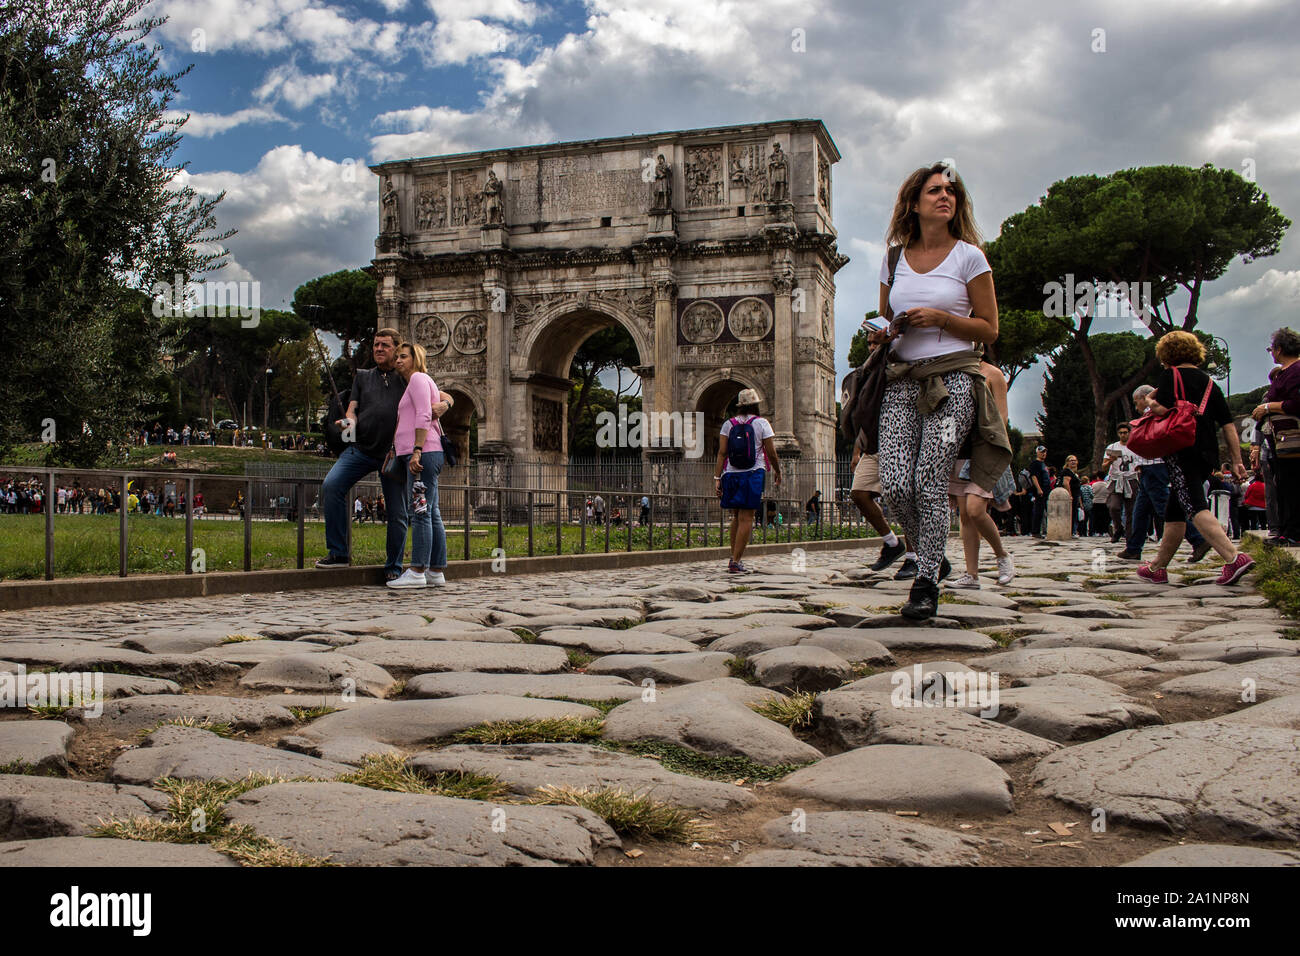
[
  {"x": 408, "y": 579},
  {"x": 1006, "y": 570},
  {"x": 966, "y": 581},
  {"x": 435, "y": 579}
]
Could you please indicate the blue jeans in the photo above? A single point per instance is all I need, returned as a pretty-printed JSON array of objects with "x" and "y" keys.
[
  {"x": 352, "y": 466},
  {"x": 428, "y": 536},
  {"x": 1152, "y": 497}
]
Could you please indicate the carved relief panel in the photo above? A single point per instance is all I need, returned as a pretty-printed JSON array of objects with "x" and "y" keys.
[
  {"x": 467, "y": 198},
  {"x": 548, "y": 422},
  {"x": 431, "y": 206},
  {"x": 824, "y": 181},
  {"x": 470, "y": 334},
  {"x": 725, "y": 319},
  {"x": 703, "y": 175},
  {"x": 747, "y": 172},
  {"x": 432, "y": 332}
]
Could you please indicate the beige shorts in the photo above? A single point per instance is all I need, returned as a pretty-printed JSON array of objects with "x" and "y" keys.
[{"x": 866, "y": 477}]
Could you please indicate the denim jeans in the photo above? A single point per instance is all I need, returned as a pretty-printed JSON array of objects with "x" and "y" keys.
[
  {"x": 352, "y": 466},
  {"x": 1039, "y": 519},
  {"x": 1152, "y": 497},
  {"x": 428, "y": 537}
]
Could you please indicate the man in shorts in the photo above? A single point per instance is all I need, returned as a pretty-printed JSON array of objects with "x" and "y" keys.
[
  {"x": 741, "y": 470},
  {"x": 865, "y": 494}
]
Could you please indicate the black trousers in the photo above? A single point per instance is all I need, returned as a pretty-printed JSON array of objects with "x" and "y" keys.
[{"x": 1286, "y": 484}]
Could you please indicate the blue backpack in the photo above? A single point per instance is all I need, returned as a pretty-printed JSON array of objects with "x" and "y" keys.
[{"x": 742, "y": 449}]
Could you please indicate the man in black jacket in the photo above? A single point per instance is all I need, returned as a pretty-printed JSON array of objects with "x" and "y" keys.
[{"x": 368, "y": 426}]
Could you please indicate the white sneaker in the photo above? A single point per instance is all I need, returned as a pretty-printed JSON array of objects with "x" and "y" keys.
[
  {"x": 967, "y": 581},
  {"x": 408, "y": 579},
  {"x": 1006, "y": 570},
  {"x": 435, "y": 579}
]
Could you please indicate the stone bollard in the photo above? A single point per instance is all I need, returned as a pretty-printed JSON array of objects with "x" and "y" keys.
[{"x": 1060, "y": 515}]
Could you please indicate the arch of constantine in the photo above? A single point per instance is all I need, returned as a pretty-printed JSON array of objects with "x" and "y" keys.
[{"x": 713, "y": 248}]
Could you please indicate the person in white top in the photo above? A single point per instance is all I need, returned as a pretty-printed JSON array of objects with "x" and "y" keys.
[
  {"x": 741, "y": 470},
  {"x": 943, "y": 302},
  {"x": 1122, "y": 483}
]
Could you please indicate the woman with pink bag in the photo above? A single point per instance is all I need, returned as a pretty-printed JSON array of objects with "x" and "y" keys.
[{"x": 1189, "y": 467}]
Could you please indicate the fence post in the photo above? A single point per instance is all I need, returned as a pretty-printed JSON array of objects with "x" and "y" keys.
[
  {"x": 582, "y": 525},
  {"x": 302, "y": 521},
  {"x": 352, "y": 495},
  {"x": 530, "y": 524},
  {"x": 122, "y": 532},
  {"x": 189, "y": 526},
  {"x": 49, "y": 525},
  {"x": 559, "y": 525},
  {"x": 627, "y": 520},
  {"x": 689, "y": 507},
  {"x": 500, "y": 517},
  {"x": 248, "y": 526},
  {"x": 467, "y": 522},
  {"x": 609, "y": 514}
]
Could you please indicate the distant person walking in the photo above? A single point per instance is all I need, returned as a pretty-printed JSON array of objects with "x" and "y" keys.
[
  {"x": 1189, "y": 469},
  {"x": 1122, "y": 483},
  {"x": 746, "y": 452},
  {"x": 1279, "y": 409}
]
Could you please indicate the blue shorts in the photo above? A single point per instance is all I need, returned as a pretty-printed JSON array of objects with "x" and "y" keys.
[{"x": 743, "y": 489}]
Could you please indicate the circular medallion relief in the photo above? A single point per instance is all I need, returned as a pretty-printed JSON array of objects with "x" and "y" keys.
[
  {"x": 470, "y": 335},
  {"x": 702, "y": 322},
  {"x": 432, "y": 333},
  {"x": 750, "y": 319}
]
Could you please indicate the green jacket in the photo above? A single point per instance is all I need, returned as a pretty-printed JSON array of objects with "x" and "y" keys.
[{"x": 990, "y": 448}]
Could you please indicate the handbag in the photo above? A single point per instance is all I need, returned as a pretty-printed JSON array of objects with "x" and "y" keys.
[
  {"x": 1285, "y": 432},
  {"x": 449, "y": 456},
  {"x": 863, "y": 390},
  {"x": 1162, "y": 437},
  {"x": 389, "y": 469}
]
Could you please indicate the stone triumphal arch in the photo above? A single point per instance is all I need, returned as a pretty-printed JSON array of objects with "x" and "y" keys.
[{"x": 713, "y": 248}]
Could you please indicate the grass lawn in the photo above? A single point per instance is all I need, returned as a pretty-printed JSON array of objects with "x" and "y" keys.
[{"x": 88, "y": 544}]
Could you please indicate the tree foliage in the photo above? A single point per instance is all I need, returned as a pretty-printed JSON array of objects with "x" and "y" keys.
[
  {"x": 342, "y": 303},
  {"x": 612, "y": 348},
  {"x": 93, "y": 216}
]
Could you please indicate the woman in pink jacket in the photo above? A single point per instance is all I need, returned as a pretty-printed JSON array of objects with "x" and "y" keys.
[{"x": 417, "y": 445}]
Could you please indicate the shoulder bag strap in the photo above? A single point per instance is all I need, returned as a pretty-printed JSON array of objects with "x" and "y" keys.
[
  {"x": 1205, "y": 399},
  {"x": 895, "y": 252}
]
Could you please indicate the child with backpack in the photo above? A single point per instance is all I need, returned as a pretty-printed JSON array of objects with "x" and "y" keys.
[{"x": 744, "y": 455}]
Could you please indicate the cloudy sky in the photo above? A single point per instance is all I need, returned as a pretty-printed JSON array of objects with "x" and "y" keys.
[{"x": 289, "y": 99}]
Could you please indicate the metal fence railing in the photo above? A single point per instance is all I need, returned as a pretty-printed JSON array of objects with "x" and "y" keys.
[{"x": 631, "y": 518}]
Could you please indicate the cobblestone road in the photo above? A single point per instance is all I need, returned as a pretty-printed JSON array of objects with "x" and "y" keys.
[{"x": 1076, "y": 716}]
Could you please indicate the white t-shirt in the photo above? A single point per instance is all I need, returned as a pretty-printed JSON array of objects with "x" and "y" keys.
[
  {"x": 762, "y": 429},
  {"x": 944, "y": 288}
]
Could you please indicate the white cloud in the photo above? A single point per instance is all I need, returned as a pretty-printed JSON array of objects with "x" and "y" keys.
[
  {"x": 299, "y": 215},
  {"x": 270, "y": 26},
  {"x": 210, "y": 124},
  {"x": 458, "y": 41},
  {"x": 512, "y": 11},
  {"x": 298, "y": 89}
]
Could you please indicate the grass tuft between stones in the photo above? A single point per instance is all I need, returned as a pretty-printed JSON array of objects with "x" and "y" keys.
[
  {"x": 304, "y": 714},
  {"x": 220, "y": 728},
  {"x": 525, "y": 635},
  {"x": 27, "y": 769},
  {"x": 241, "y": 638},
  {"x": 390, "y": 772},
  {"x": 627, "y": 813},
  {"x": 795, "y": 711},
  {"x": 743, "y": 668},
  {"x": 709, "y": 766},
  {"x": 578, "y": 659},
  {"x": 604, "y": 706},
  {"x": 197, "y": 814},
  {"x": 1277, "y": 575},
  {"x": 534, "y": 730}
]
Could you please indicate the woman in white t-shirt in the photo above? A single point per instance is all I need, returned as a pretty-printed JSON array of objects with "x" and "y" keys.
[
  {"x": 741, "y": 471},
  {"x": 943, "y": 303}
]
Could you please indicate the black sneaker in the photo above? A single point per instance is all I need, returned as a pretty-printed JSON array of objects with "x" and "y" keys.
[
  {"x": 945, "y": 569},
  {"x": 1198, "y": 552},
  {"x": 907, "y": 571},
  {"x": 330, "y": 561},
  {"x": 888, "y": 555},
  {"x": 922, "y": 602}
]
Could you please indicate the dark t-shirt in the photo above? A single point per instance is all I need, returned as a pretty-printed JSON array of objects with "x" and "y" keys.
[
  {"x": 1038, "y": 469},
  {"x": 1204, "y": 454},
  {"x": 376, "y": 394},
  {"x": 1070, "y": 482}
]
